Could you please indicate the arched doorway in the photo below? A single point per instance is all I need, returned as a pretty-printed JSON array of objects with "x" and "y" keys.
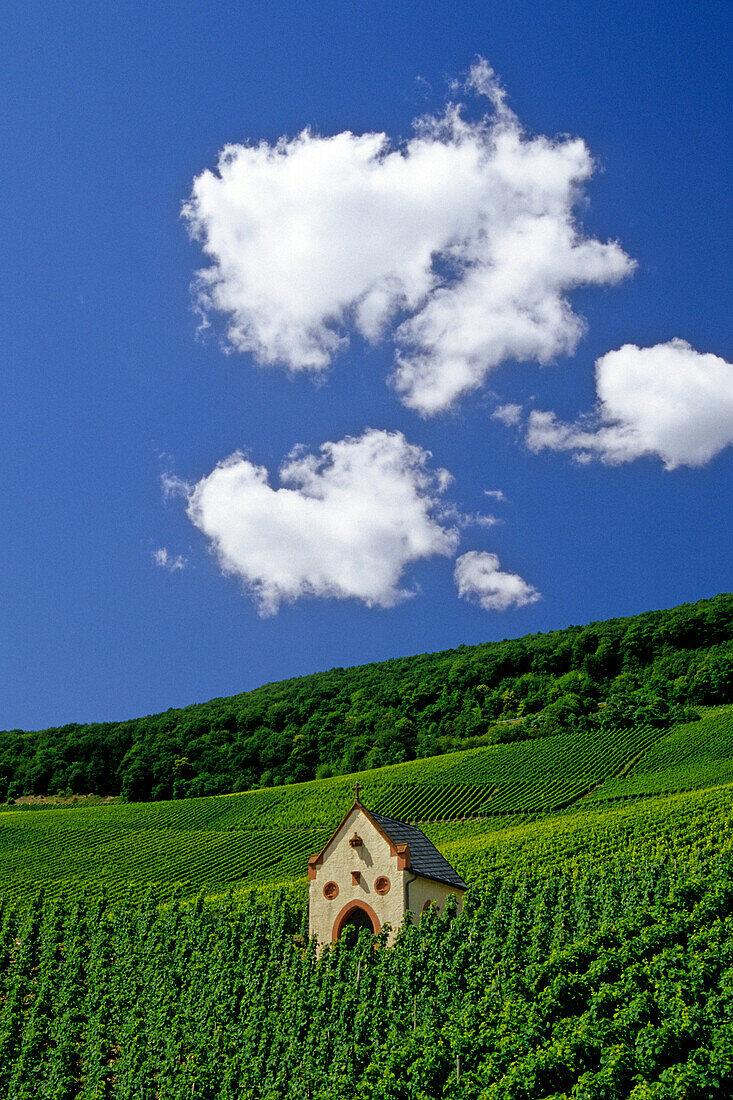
[{"x": 354, "y": 916}]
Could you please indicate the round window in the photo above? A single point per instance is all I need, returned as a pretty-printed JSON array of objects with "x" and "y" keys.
[
  {"x": 330, "y": 891},
  {"x": 382, "y": 885}
]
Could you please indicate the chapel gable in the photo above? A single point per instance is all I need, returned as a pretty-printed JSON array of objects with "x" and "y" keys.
[{"x": 371, "y": 872}]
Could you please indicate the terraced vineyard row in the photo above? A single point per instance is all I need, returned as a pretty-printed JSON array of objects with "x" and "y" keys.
[
  {"x": 267, "y": 835},
  {"x": 691, "y": 756},
  {"x": 528, "y": 776},
  {"x": 80, "y": 862},
  {"x": 413, "y": 802},
  {"x": 217, "y": 860},
  {"x": 669, "y": 826}
]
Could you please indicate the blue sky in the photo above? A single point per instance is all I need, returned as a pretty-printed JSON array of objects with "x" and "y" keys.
[{"x": 109, "y": 390}]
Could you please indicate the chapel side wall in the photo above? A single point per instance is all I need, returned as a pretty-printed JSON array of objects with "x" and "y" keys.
[
  {"x": 372, "y": 859},
  {"x": 423, "y": 890}
]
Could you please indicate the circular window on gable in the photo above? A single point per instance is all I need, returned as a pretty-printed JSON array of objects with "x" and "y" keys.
[
  {"x": 330, "y": 891},
  {"x": 382, "y": 885}
]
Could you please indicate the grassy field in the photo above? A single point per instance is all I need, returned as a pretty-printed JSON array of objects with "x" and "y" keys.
[{"x": 556, "y": 801}]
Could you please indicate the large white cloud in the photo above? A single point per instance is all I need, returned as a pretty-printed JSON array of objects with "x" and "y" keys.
[
  {"x": 461, "y": 243},
  {"x": 480, "y": 580},
  {"x": 668, "y": 401},
  {"x": 345, "y": 523}
]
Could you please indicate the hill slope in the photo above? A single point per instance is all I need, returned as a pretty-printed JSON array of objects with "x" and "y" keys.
[
  {"x": 489, "y": 808},
  {"x": 593, "y": 957},
  {"x": 612, "y": 984},
  {"x": 694, "y": 755},
  {"x": 646, "y": 668}
]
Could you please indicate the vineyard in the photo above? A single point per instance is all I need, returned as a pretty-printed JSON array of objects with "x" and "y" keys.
[
  {"x": 611, "y": 982},
  {"x": 696, "y": 754},
  {"x": 593, "y": 957},
  {"x": 489, "y": 807},
  {"x": 80, "y": 852},
  {"x": 216, "y": 843},
  {"x": 658, "y": 827}
]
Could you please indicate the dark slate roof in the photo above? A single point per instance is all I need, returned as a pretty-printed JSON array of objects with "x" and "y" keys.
[{"x": 425, "y": 859}]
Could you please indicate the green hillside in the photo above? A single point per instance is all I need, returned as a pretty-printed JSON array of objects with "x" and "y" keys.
[
  {"x": 659, "y": 828},
  {"x": 695, "y": 754},
  {"x": 622, "y": 673},
  {"x": 593, "y": 959},
  {"x": 548, "y": 796},
  {"x": 158, "y": 949},
  {"x": 613, "y": 982}
]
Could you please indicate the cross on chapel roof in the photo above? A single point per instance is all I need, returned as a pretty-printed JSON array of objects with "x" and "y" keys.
[
  {"x": 356, "y": 788},
  {"x": 424, "y": 858}
]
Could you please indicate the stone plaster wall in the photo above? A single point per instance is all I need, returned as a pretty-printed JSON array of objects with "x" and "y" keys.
[
  {"x": 372, "y": 859},
  {"x": 426, "y": 889}
]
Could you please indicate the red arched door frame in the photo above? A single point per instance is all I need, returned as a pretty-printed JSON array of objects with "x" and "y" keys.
[{"x": 345, "y": 913}]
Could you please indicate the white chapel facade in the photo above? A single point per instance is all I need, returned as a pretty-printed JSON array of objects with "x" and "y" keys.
[{"x": 372, "y": 870}]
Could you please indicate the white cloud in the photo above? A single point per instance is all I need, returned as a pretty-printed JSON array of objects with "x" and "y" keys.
[
  {"x": 453, "y": 514},
  {"x": 497, "y": 494},
  {"x": 172, "y": 562},
  {"x": 461, "y": 243},
  {"x": 483, "y": 81},
  {"x": 507, "y": 414},
  {"x": 480, "y": 580},
  {"x": 345, "y": 523},
  {"x": 173, "y": 486},
  {"x": 667, "y": 401}
]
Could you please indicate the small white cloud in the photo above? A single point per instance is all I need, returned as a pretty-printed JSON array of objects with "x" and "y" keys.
[
  {"x": 453, "y": 514},
  {"x": 489, "y": 520},
  {"x": 461, "y": 245},
  {"x": 345, "y": 524},
  {"x": 173, "y": 563},
  {"x": 497, "y": 495},
  {"x": 483, "y": 81},
  {"x": 173, "y": 486},
  {"x": 668, "y": 401},
  {"x": 507, "y": 414},
  {"x": 480, "y": 580}
]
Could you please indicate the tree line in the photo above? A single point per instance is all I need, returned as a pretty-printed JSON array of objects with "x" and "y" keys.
[{"x": 646, "y": 669}]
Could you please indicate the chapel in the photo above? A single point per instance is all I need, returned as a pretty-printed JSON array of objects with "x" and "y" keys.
[{"x": 372, "y": 870}]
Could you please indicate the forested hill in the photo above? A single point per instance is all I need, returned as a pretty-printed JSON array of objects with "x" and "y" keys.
[{"x": 648, "y": 669}]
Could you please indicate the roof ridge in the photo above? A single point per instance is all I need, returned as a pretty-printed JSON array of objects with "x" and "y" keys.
[
  {"x": 425, "y": 858},
  {"x": 397, "y": 820}
]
